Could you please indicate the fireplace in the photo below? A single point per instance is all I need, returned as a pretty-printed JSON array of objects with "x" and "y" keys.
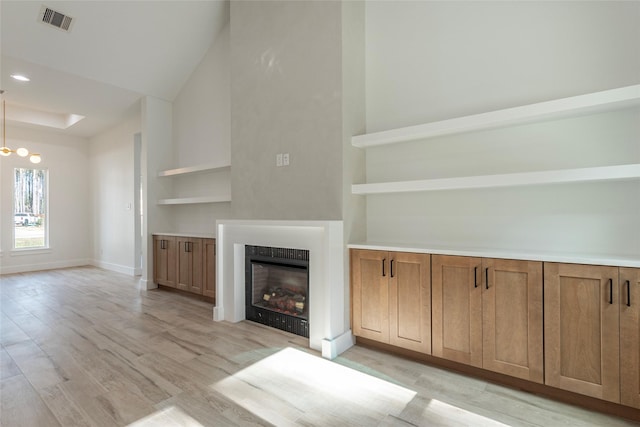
[{"x": 277, "y": 288}]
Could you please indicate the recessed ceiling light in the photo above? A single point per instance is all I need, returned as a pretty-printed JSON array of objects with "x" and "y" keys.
[{"x": 20, "y": 77}]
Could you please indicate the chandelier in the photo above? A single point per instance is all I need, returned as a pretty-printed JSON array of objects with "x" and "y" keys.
[{"x": 6, "y": 151}]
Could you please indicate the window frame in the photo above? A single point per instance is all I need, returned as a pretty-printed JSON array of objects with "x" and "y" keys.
[{"x": 33, "y": 249}]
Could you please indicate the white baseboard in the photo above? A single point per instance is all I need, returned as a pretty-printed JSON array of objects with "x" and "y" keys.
[
  {"x": 332, "y": 348},
  {"x": 114, "y": 267},
  {"x": 25, "y": 268},
  {"x": 147, "y": 284}
]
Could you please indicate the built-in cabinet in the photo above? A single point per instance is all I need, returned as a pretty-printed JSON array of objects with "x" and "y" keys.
[
  {"x": 457, "y": 309},
  {"x": 190, "y": 264},
  {"x": 512, "y": 324},
  {"x": 569, "y": 320},
  {"x": 630, "y": 336},
  {"x": 592, "y": 331},
  {"x": 186, "y": 263},
  {"x": 391, "y": 298},
  {"x": 209, "y": 271},
  {"x": 164, "y": 265},
  {"x": 488, "y": 313}
]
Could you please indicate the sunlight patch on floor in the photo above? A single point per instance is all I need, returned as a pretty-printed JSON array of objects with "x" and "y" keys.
[
  {"x": 292, "y": 385},
  {"x": 171, "y": 416},
  {"x": 446, "y": 411}
]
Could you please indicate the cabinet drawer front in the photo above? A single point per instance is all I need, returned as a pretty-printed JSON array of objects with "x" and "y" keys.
[
  {"x": 582, "y": 329},
  {"x": 457, "y": 309},
  {"x": 370, "y": 294},
  {"x": 410, "y": 301},
  {"x": 630, "y": 337},
  {"x": 512, "y": 318}
]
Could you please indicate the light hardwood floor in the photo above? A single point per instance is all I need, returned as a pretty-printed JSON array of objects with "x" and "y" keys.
[{"x": 87, "y": 347}]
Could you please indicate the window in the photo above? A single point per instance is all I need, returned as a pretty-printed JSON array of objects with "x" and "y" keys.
[{"x": 30, "y": 208}]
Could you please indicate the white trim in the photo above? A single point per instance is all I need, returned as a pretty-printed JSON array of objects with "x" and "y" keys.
[
  {"x": 30, "y": 251},
  {"x": 147, "y": 284},
  {"x": 331, "y": 348},
  {"x": 25, "y": 268},
  {"x": 328, "y": 313},
  {"x": 131, "y": 271},
  {"x": 596, "y": 102},
  {"x": 601, "y": 173}
]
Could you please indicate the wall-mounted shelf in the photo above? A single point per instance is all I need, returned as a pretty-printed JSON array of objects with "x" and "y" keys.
[
  {"x": 607, "y": 100},
  {"x": 602, "y": 173},
  {"x": 195, "y": 200},
  {"x": 198, "y": 184},
  {"x": 209, "y": 167}
]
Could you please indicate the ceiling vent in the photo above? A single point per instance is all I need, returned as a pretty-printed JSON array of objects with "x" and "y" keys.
[{"x": 55, "y": 19}]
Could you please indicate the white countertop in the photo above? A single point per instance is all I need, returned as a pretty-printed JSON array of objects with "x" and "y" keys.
[
  {"x": 572, "y": 258},
  {"x": 197, "y": 235}
]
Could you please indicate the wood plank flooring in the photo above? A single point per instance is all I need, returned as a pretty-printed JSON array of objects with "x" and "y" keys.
[{"x": 87, "y": 347}]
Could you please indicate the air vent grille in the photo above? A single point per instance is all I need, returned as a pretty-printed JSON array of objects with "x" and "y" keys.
[{"x": 56, "y": 19}]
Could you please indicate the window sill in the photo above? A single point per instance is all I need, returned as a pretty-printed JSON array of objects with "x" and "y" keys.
[{"x": 29, "y": 251}]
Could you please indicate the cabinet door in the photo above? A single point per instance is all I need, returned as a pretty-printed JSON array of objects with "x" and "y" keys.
[
  {"x": 164, "y": 260},
  {"x": 209, "y": 268},
  {"x": 370, "y": 294},
  {"x": 190, "y": 264},
  {"x": 581, "y": 315},
  {"x": 457, "y": 309},
  {"x": 410, "y": 301},
  {"x": 512, "y": 318},
  {"x": 630, "y": 336}
]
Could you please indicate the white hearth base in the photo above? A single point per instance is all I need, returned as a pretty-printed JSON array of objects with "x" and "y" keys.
[{"x": 328, "y": 293}]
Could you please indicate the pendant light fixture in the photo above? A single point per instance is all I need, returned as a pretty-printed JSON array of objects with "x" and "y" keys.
[{"x": 6, "y": 151}]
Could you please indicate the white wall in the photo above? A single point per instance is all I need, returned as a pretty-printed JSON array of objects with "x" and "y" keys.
[
  {"x": 201, "y": 111},
  {"x": 429, "y": 61},
  {"x": 436, "y": 60},
  {"x": 67, "y": 160},
  {"x": 156, "y": 156},
  {"x": 113, "y": 196},
  {"x": 201, "y": 134}
]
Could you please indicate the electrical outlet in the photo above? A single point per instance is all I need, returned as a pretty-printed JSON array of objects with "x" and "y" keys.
[
  {"x": 278, "y": 160},
  {"x": 285, "y": 159}
]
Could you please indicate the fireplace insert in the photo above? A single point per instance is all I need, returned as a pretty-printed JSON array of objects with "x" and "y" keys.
[{"x": 277, "y": 288}]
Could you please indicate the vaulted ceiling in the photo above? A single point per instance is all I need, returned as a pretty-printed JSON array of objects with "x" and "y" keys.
[{"x": 115, "y": 53}]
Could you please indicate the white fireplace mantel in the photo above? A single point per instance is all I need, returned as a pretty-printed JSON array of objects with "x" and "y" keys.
[{"x": 328, "y": 293}]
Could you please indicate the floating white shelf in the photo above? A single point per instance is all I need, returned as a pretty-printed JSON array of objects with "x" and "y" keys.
[
  {"x": 195, "y": 200},
  {"x": 209, "y": 167},
  {"x": 602, "y": 173},
  {"x": 607, "y": 100}
]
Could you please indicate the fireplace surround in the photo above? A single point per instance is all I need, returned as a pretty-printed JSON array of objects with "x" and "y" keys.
[{"x": 329, "y": 329}]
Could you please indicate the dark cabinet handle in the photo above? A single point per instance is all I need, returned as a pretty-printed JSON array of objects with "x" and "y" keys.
[
  {"x": 628, "y": 293},
  {"x": 486, "y": 277},
  {"x": 610, "y": 291},
  {"x": 391, "y": 267},
  {"x": 163, "y": 244},
  {"x": 384, "y": 260},
  {"x": 475, "y": 277}
]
